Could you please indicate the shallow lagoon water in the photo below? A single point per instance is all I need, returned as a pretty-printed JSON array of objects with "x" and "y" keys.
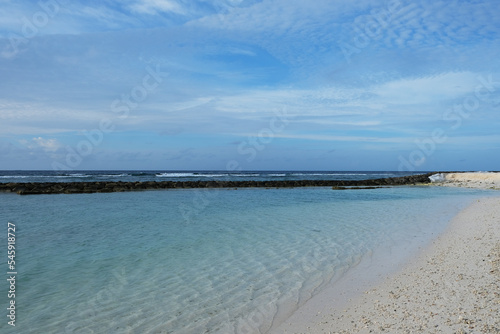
[{"x": 203, "y": 261}]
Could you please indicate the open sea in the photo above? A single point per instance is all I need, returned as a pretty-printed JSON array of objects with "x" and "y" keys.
[{"x": 193, "y": 261}]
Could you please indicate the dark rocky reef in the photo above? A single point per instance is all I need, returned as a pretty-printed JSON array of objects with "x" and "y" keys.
[{"x": 108, "y": 187}]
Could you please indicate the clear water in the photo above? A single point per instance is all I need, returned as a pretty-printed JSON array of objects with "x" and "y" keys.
[{"x": 201, "y": 261}]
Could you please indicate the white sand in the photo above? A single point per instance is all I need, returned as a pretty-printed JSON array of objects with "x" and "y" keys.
[
  {"x": 451, "y": 287},
  {"x": 472, "y": 180}
]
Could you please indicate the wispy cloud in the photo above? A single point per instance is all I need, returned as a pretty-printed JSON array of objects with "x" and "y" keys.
[
  {"x": 430, "y": 89},
  {"x": 350, "y": 139},
  {"x": 233, "y": 64},
  {"x": 156, "y": 6}
]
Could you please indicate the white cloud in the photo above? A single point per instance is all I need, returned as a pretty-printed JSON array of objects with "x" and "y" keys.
[
  {"x": 240, "y": 51},
  {"x": 436, "y": 88},
  {"x": 316, "y": 137},
  {"x": 37, "y": 118},
  {"x": 156, "y": 6},
  {"x": 46, "y": 144},
  {"x": 189, "y": 104},
  {"x": 327, "y": 101},
  {"x": 323, "y": 122}
]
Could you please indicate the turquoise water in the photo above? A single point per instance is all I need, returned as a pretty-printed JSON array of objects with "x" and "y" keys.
[{"x": 201, "y": 261}]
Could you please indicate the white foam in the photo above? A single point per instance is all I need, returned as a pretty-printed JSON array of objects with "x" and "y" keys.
[
  {"x": 189, "y": 175},
  {"x": 440, "y": 177}
]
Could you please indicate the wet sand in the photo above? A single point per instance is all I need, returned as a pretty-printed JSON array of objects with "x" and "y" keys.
[{"x": 452, "y": 286}]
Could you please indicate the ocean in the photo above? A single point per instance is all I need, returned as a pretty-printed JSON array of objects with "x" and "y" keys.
[
  {"x": 143, "y": 176},
  {"x": 201, "y": 260}
]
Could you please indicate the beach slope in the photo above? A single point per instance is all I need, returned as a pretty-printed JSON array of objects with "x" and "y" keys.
[{"x": 453, "y": 286}]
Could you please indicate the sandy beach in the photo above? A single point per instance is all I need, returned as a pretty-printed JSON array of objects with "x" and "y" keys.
[
  {"x": 452, "y": 286},
  {"x": 471, "y": 180}
]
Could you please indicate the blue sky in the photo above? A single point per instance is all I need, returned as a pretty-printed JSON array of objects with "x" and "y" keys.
[{"x": 251, "y": 85}]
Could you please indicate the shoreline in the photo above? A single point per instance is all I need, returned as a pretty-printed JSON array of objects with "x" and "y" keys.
[
  {"x": 479, "y": 180},
  {"x": 452, "y": 285}
]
